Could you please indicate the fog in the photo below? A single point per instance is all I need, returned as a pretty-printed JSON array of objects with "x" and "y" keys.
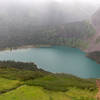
[
  {"x": 28, "y": 13},
  {"x": 48, "y": 10},
  {"x": 29, "y": 17}
]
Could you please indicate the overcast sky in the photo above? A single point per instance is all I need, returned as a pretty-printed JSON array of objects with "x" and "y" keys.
[
  {"x": 92, "y": 4},
  {"x": 68, "y": 1},
  {"x": 70, "y": 9},
  {"x": 89, "y": 2}
]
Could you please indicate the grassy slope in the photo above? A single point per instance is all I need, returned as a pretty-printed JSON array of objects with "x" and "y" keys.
[
  {"x": 36, "y": 85},
  {"x": 6, "y": 84},
  {"x": 37, "y": 93},
  {"x": 34, "y": 93},
  {"x": 61, "y": 82}
]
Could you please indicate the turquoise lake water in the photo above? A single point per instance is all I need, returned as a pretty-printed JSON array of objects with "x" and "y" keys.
[{"x": 56, "y": 59}]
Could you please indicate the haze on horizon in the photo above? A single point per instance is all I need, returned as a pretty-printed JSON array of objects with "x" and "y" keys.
[
  {"x": 90, "y": 5},
  {"x": 26, "y": 13},
  {"x": 87, "y": 6},
  {"x": 24, "y": 22}
]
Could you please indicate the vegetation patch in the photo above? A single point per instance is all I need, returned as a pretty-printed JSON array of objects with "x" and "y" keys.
[
  {"x": 7, "y": 85},
  {"x": 62, "y": 82},
  {"x": 22, "y": 84},
  {"x": 36, "y": 93}
]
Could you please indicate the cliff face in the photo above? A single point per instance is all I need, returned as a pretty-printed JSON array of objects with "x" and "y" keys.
[
  {"x": 96, "y": 21},
  {"x": 94, "y": 56},
  {"x": 94, "y": 41}
]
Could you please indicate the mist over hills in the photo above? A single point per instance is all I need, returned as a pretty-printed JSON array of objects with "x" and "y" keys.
[
  {"x": 45, "y": 23},
  {"x": 17, "y": 14},
  {"x": 94, "y": 41},
  {"x": 96, "y": 20}
]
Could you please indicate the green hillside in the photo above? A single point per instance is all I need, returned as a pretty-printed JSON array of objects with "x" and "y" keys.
[{"x": 21, "y": 84}]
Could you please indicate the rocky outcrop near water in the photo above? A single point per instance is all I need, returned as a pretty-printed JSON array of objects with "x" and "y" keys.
[{"x": 94, "y": 56}]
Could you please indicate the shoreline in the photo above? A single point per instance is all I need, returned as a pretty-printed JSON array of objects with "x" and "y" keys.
[
  {"x": 37, "y": 46},
  {"x": 23, "y": 47}
]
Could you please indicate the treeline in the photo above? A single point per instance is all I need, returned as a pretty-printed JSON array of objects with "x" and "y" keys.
[{"x": 18, "y": 65}]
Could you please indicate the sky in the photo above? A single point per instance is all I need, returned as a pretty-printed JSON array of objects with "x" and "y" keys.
[
  {"x": 76, "y": 9},
  {"x": 90, "y": 1},
  {"x": 93, "y": 2},
  {"x": 68, "y": 1},
  {"x": 68, "y": 4}
]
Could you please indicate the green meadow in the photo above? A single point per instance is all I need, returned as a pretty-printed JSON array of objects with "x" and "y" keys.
[
  {"x": 36, "y": 93},
  {"x": 36, "y": 84}
]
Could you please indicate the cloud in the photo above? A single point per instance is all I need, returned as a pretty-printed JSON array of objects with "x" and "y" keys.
[{"x": 89, "y": 2}]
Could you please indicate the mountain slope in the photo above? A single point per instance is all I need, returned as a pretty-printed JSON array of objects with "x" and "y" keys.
[
  {"x": 52, "y": 23},
  {"x": 95, "y": 40},
  {"x": 72, "y": 34}
]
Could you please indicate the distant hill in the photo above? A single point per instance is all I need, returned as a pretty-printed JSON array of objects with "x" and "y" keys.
[
  {"x": 50, "y": 24},
  {"x": 72, "y": 34}
]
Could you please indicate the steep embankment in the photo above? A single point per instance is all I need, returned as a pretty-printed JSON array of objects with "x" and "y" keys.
[
  {"x": 36, "y": 84},
  {"x": 95, "y": 56},
  {"x": 94, "y": 41}
]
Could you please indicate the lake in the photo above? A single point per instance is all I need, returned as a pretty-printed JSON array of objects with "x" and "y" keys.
[{"x": 58, "y": 59}]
